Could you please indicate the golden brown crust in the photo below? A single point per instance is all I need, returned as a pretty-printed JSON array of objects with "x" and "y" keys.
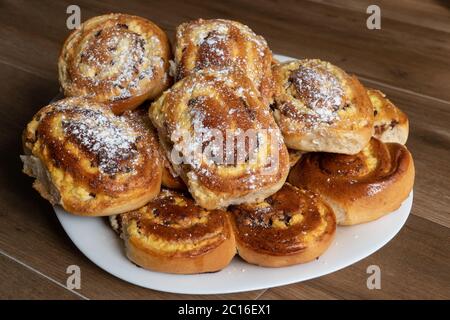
[
  {"x": 117, "y": 59},
  {"x": 219, "y": 44},
  {"x": 295, "y": 156},
  {"x": 99, "y": 163},
  {"x": 171, "y": 181},
  {"x": 115, "y": 222},
  {"x": 318, "y": 107},
  {"x": 390, "y": 123},
  {"x": 290, "y": 227},
  {"x": 169, "y": 178},
  {"x": 172, "y": 234},
  {"x": 361, "y": 187},
  {"x": 207, "y": 105}
]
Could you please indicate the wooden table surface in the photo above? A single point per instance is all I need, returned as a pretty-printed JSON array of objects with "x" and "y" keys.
[{"x": 408, "y": 59}]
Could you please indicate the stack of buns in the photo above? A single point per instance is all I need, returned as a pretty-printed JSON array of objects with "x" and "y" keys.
[{"x": 327, "y": 151}]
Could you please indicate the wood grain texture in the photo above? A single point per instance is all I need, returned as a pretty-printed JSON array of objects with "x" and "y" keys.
[
  {"x": 337, "y": 33},
  {"x": 18, "y": 282},
  {"x": 428, "y": 141},
  {"x": 427, "y": 14},
  {"x": 413, "y": 266},
  {"x": 407, "y": 59}
]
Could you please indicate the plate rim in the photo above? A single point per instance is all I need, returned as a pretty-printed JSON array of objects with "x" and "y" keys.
[{"x": 245, "y": 287}]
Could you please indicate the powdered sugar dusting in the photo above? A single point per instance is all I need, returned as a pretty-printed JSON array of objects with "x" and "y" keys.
[
  {"x": 108, "y": 139},
  {"x": 117, "y": 59},
  {"x": 319, "y": 90},
  {"x": 213, "y": 51},
  {"x": 235, "y": 140},
  {"x": 221, "y": 44}
]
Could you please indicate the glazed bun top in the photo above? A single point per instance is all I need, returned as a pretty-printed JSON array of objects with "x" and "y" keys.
[
  {"x": 316, "y": 93},
  {"x": 174, "y": 225},
  {"x": 94, "y": 157},
  {"x": 219, "y": 44},
  {"x": 366, "y": 173},
  {"x": 201, "y": 119},
  {"x": 117, "y": 59},
  {"x": 285, "y": 223}
]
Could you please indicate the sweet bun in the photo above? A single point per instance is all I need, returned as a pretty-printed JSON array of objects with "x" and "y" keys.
[
  {"x": 219, "y": 44},
  {"x": 319, "y": 107},
  {"x": 292, "y": 226},
  {"x": 115, "y": 221},
  {"x": 200, "y": 121},
  {"x": 295, "y": 156},
  {"x": 169, "y": 178},
  {"x": 172, "y": 234},
  {"x": 117, "y": 59},
  {"x": 390, "y": 123},
  {"x": 90, "y": 161},
  {"x": 361, "y": 187}
]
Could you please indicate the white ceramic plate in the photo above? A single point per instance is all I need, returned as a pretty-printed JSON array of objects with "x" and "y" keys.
[{"x": 101, "y": 245}]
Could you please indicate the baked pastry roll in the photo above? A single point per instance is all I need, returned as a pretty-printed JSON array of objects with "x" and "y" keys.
[
  {"x": 221, "y": 139},
  {"x": 319, "y": 107},
  {"x": 295, "y": 156},
  {"x": 219, "y": 44},
  {"x": 361, "y": 187},
  {"x": 115, "y": 221},
  {"x": 117, "y": 59},
  {"x": 292, "y": 226},
  {"x": 390, "y": 123},
  {"x": 172, "y": 234},
  {"x": 169, "y": 178},
  {"x": 90, "y": 161}
]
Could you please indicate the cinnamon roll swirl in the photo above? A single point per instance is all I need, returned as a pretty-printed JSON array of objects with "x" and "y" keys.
[
  {"x": 90, "y": 161},
  {"x": 219, "y": 44},
  {"x": 390, "y": 123},
  {"x": 318, "y": 107},
  {"x": 172, "y": 234},
  {"x": 221, "y": 139},
  {"x": 292, "y": 226},
  {"x": 117, "y": 59},
  {"x": 361, "y": 187}
]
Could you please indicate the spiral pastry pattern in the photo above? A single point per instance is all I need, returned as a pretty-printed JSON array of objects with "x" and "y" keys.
[
  {"x": 320, "y": 108},
  {"x": 221, "y": 139},
  {"x": 172, "y": 234},
  {"x": 117, "y": 59},
  {"x": 361, "y": 187},
  {"x": 292, "y": 226},
  {"x": 221, "y": 44},
  {"x": 90, "y": 161}
]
